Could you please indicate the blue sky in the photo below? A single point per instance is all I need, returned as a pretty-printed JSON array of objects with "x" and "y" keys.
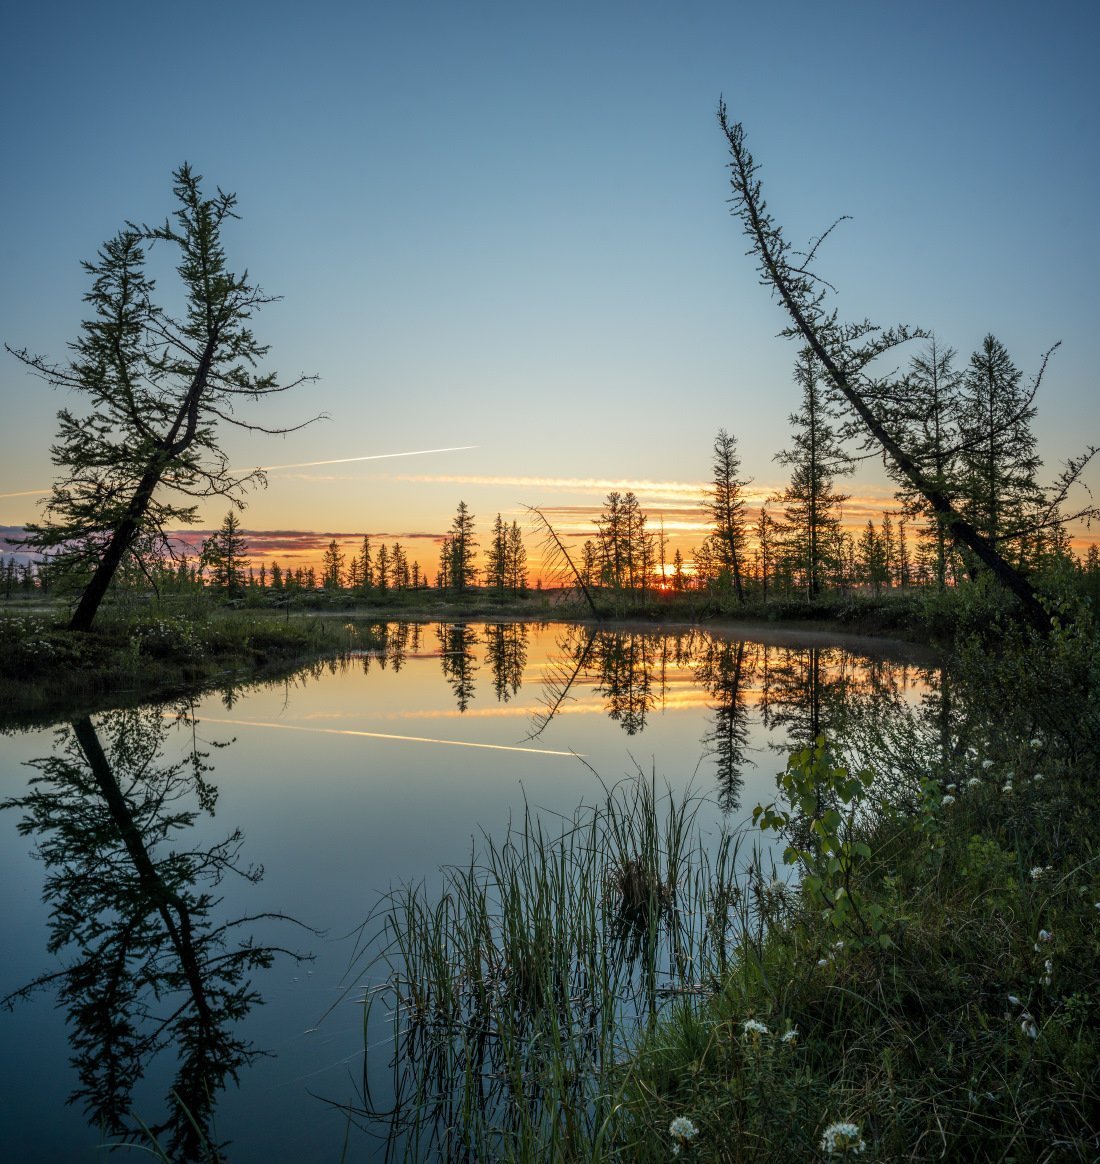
[{"x": 505, "y": 225}]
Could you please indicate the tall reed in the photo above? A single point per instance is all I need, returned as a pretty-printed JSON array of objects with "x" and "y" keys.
[{"x": 515, "y": 994}]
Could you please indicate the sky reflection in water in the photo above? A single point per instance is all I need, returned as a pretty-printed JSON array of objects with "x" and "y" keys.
[{"x": 345, "y": 780}]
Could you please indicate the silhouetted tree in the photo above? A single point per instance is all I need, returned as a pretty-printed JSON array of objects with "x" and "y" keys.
[
  {"x": 726, "y": 503},
  {"x": 463, "y": 546},
  {"x": 997, "y": 458},
  {"x": 158, "y": 386},
  {"x": 816, "y": 458},
  {"x": 845, "y": 350},
  {"x": 223, "y": 554},
  {"x": 930, "y": 424}
]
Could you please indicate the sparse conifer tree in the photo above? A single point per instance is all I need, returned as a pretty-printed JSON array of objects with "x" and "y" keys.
[
  {"x": 463, "y": 571},
  {"x": 816, "y": 458},
  {"x": 726, "y": 503},
  {"x": 332, "y": 566},
  {"x": 158, "y": 387},
  {"x": 223, "y": 554},
  {"x": 382, "y": 572},
  {"x": 517, "y": 560}
]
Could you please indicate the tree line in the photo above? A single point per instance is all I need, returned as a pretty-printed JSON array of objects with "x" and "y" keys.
[
  {"x": 972, "y": 424},
  {"x": 224, "y": 566}
]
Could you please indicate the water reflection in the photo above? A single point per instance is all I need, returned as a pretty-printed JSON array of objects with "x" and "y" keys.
[
  {"x": 152, "y": 967},
  {"x": 457, "y": 642},
  {"x": 506, "y": 654},
  {"x": 725, "y": 668},
  {"x": 799, "y": 692}
]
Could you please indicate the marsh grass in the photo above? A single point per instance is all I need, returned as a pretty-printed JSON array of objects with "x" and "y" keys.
[
  {"x": 133, "y": 657},
  {"x": 514, "y": 994}
]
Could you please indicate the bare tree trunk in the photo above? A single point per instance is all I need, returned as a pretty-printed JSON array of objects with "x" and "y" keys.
[{"x": 123, "y": 537}]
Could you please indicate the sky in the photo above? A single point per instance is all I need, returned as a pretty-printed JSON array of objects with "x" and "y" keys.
[{"x": 501, "y": 233}]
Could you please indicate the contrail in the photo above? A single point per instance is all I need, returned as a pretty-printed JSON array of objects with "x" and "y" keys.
[
  {"x": 372, "y": 457},
  {"x": 291, "y": 727},
  {"x": 305, "y": 464}
]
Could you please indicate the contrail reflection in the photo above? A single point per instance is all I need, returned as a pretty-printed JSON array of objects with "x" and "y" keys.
[{"x": 291, "y": 727}]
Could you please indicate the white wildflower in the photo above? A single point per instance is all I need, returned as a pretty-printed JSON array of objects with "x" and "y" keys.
[
  {"x": 823, "y": 961},
  {"x": 842, "y": 1138},
  {"x": 947, "y": 801},
  {"x": 1014, "y": 1000},
  {"x": 1036, "y": 742},
  {"x": 683, "y": 1129},
  {"x": 973, "y": 782},
  {"x": 1006, "y": 788},
  {"x": 752, "y": 1029},
  {"x": 790, "y": 1039},
  {"x": 1048, "y": 972},
  {"x": 1037, "y": 778},
  {"x": 1046, "y": 936},
  {"x": 987, "y": 764},
  {"x": 1027, "y": 1025},
  {"x": 952, "y": 788},
  {"x": 1038, "y": 871}
]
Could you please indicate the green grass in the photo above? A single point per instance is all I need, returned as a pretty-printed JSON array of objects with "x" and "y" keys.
[
  {"x": 939, "y": 961},
  {"x": 46, "y": 670}
]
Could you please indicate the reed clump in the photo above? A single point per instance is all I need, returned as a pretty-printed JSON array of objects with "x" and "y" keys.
[{"x": 513, "y": 993}]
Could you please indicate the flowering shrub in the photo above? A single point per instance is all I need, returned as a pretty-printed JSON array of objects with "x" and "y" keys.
[
  {"x": 842, "y": 1139},
  {"x": 818, "y": 790},
  {"x": 165, "y": 638}
]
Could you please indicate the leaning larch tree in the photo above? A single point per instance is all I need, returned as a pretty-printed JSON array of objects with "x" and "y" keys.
[
  {"x": 159, "y": 386},
  {"x": 845, "y": 350}
]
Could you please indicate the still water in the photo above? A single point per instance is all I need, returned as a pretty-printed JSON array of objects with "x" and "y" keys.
[{"x": 165, "y": 868}]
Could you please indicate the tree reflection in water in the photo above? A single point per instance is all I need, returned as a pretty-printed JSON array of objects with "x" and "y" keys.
[
  {"x": 725, "y": 668},
  {"x": 506, "y": 654},
  {"x": 151, "y": 968},
  {"x": 456, "y": 655},
  {"x": 796, "y": 692}
]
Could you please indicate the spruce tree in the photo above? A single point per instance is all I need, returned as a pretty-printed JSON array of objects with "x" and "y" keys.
[
  {"x": 930, "y": 422},
  {"x": 463, "y": 572},
  {"x": 516, "y": 560},
  {"x": 726, "y": 503},
  {"x": 332, "y": 566},
  {"x": 223, "y": 554},
  {"x": 816, "y": 458},
  {"x": 998, "y": 461},
  {"x": 496, "y": 559}
]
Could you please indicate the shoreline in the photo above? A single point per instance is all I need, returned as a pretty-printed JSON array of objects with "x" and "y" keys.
[{"x": 116, "y": 667}]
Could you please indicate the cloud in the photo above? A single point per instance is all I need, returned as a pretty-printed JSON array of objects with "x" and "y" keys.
[
  {"x": 294, "y": 543},
  {"x": 596, "y": 485}
]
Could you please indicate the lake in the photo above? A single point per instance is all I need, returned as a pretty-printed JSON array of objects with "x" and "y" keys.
[{"x": 155, "y": 861}]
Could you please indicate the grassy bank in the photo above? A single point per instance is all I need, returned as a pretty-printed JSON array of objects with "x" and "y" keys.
[
  {"x": 925, "y": 985},
  {"x": 180, "y": 645},
  {"x": 46, "y": 670}
]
